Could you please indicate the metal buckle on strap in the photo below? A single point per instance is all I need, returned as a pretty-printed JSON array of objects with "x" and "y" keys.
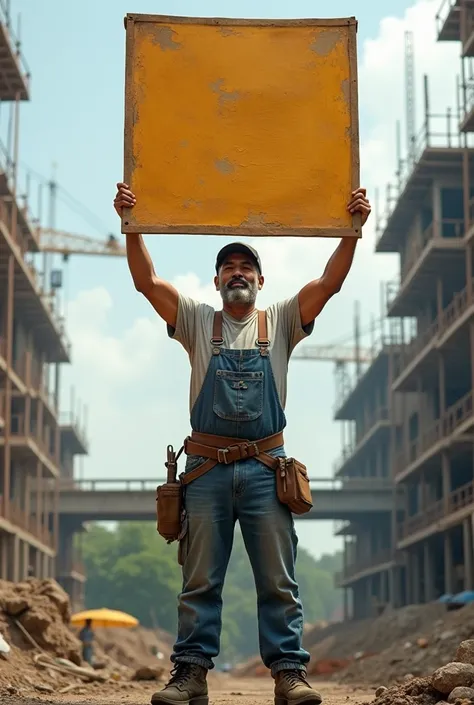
[
  {"x": 239, "y": 451},
  {"x": 222, "y": 455}
]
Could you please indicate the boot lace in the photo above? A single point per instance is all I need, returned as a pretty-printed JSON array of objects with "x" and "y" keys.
[
  {"x": 295, "y": 677},
  {"x": 181, "y": 674}
]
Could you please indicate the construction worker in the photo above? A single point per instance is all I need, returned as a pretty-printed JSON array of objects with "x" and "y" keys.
[
  {"x": 237, "y": 392},
  {"x": 86, "y": 637}
]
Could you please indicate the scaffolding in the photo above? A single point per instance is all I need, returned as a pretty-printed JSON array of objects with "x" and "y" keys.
[{"x": 411, "y": 413}]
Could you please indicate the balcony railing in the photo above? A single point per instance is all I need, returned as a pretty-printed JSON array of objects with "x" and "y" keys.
[
  {"x": 68, "y": 418},
  {"x": 443, "y": 13},
  {"x": 5, "y": 19},
  {"x": 359, "y": 566},
  {"x": 452, "y": 419},
  {"x": 458, "y": 499},
  {"x": 389, "y": 339},
  {"x": 453, "y": 311},
  {"x": 438, "y": 231},
  {"x": 19, "y": 429},
  {"x": 27, "y": 522},
  {"x": 433, "y": 513},
  {"x": 148, "y": 484},
  {"x": 372, "y": 419},
  {"x": 438, "y": 131}
]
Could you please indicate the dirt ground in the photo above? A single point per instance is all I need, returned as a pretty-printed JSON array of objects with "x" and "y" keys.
[{"x": 224, "y": 690}]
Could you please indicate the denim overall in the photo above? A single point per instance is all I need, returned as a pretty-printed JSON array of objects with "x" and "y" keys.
[{"x": 239, "y": 399}]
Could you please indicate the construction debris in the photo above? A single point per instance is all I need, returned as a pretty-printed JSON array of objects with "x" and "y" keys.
[
  {"x": 44, "y": 655},
  {"x": 450, "y": 683}
]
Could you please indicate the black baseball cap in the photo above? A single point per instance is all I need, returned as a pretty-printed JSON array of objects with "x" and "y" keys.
[{"x": 238, "y": 247}]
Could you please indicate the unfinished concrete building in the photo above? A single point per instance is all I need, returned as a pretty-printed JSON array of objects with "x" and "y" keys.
[
  {"x": 33, "y": 345},
  {"x": 429, "y": 223}
]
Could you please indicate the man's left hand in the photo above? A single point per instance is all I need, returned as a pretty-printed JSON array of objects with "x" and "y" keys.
[{"x": 360, "y": 202}]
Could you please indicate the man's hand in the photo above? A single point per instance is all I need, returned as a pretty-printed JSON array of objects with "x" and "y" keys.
[
  {"x": 359, "y": 202},
  {"x": 124, "y": 198}
]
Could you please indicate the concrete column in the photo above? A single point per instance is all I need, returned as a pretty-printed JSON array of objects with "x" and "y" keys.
[
  {"x": 25, "y": 559},
  {"x": 469, "y": 270},
  {"x": 15, "y": 557},
  {"x": 416, "y": 579},
  {"x": 384, "y": 587},
  {"x": 428, "y": 572},
  {"x": 439, "y": 296},
  {"x": 346, "y": 604},
  {"x": 467, "y": 548},
  {"x": 471, "y": 340},
  {"x": 448, "y": 565},
  {"x": 446, "y": 480},
  {"x": 393, "y": 587},
  {"x": 442, "y": 386},
  {"x": 437, "y": 211},
  {"x": 45, "y": 566},
  {"x": 3, "y": 556},
  {"x": 369, "y": 612},
  {"x": 38, "y": 564}
]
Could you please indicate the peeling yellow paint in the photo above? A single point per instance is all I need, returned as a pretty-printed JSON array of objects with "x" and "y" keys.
[{"x": 275, "y": 100}]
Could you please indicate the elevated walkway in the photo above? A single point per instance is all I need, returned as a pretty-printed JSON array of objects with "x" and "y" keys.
[{"x": 134, "y": 499}]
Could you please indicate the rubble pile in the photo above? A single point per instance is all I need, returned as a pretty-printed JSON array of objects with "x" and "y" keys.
[
  {"x": 452, "y": 683},
  {"x": 42, "y": 608},
  {"x": 345, "y": 640},
  {"x": 39, "y": 652},
  {"x": 418, "y": 652}
]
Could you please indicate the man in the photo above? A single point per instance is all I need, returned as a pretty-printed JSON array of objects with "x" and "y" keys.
[
  {"x": 86, "y": 636},
  {"x": 239, "y": 362}
]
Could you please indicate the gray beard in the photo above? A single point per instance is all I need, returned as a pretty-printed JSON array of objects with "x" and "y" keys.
[{"x": 247, "y": 295}]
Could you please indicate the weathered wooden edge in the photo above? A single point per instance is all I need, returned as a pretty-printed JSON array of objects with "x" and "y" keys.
[
  {"x": 129, "y": 110},
  {"x": 239, "y": 230},
  {"x": 354, "y": 119},
  {"x": 239, "y": 21}
]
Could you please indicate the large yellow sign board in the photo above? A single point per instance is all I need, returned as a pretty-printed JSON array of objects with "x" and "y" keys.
[{"x": 241, "y": 127}]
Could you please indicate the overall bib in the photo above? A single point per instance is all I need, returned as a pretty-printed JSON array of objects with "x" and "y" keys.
[{"x": 238, "y": 400}]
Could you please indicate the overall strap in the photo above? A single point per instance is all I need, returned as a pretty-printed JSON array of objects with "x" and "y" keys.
[
  {"x": 262, "y": 341},
  {"x": 217, "y": 339}
]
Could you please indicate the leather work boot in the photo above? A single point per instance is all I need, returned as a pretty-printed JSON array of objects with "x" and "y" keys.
[
  {"x": 292, "y": 688},
  {"x": 187, "y": 686}
]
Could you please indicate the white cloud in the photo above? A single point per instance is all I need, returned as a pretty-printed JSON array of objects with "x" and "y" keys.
[{"x": 136, "y": 382}]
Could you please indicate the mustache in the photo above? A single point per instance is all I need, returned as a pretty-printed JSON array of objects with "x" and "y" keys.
[{"x": 240, "y": 280}]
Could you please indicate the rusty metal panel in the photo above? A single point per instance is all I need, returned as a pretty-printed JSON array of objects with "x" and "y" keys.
[{"x": 241, "y": 127}]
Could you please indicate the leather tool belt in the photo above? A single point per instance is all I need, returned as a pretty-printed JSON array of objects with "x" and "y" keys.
[{"x": 219, "y": 449}]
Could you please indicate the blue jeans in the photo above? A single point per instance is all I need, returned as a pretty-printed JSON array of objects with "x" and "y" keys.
[{"x": 245, "y": 490}]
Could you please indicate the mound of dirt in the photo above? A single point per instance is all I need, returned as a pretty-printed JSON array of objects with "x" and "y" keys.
[
  {"x": 35, "y": 624},
  {"x": 42, "y": 608},
  {"x": 418, "y": 652}
]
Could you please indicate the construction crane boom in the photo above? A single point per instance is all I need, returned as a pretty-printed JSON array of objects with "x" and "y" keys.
[
  {"x": 332, "y": 353},
  {"x": 64, "y": 243}
]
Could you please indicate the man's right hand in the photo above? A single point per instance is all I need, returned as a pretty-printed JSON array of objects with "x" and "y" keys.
[{"x": 124, "y": 198}]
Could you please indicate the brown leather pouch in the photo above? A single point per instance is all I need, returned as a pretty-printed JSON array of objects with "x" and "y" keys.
[
  {"x": 293, "y": 486},
  {"x": 169, "y": 501}
]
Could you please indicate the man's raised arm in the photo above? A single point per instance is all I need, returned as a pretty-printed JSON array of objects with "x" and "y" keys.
[
  {"x": 314, "y": 296},
  {"x": 161, "y": 294}
]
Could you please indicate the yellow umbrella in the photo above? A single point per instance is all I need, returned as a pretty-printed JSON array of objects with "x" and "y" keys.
[{"x": 104, "y": 618}]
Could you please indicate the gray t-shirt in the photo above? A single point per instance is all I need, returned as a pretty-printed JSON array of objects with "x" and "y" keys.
[{"x": 194, "y": 327}]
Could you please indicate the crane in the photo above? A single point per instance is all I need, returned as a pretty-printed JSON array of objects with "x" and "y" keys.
[
  {"x": 65, "y": 243},
  {"x": 333, "y": 353}
]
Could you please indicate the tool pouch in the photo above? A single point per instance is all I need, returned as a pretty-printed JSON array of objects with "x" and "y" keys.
[
  {"x": 169, "y": 501},
  {"x": 293, "y": 487}
]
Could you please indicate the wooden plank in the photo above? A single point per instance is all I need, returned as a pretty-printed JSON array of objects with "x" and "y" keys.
[{"x": 241, "y": 127}]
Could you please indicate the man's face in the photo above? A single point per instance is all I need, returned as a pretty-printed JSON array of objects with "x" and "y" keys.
[{"x": 239, "y": 279}]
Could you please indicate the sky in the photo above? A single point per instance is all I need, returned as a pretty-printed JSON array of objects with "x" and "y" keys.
[{"x": 133, "y": 380}]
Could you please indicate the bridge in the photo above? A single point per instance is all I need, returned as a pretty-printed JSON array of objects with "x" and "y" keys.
[{"x": 118, "y": 499}]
